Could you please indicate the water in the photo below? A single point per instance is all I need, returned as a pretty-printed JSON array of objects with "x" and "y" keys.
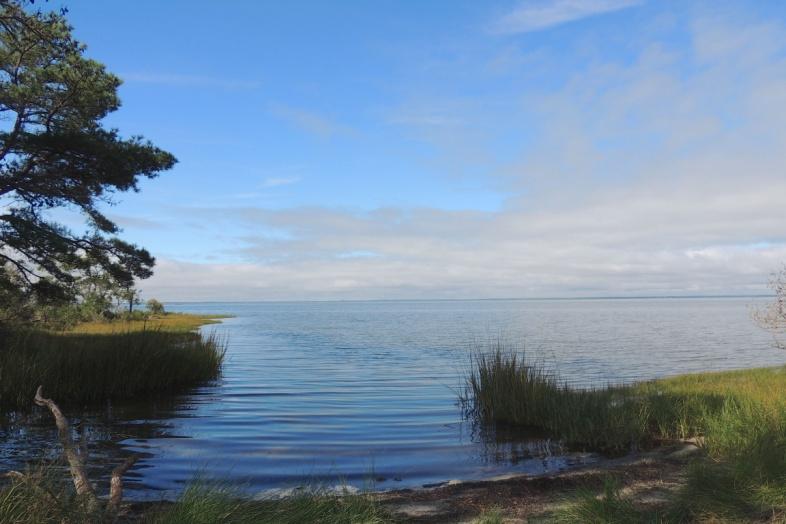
[{"x": 365, "y": 392}]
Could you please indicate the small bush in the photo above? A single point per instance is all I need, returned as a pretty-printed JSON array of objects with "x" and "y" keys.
[{"x": 155, "y": 307}]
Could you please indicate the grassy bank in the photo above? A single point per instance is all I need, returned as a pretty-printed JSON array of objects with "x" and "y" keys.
[
  {"x": 738, "y": 418},
  {"x": 115, "y": 361},
  {"x": 44, "y": 500}
]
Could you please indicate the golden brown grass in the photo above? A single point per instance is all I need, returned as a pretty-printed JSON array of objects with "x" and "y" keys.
[{"x": 176, "y": 322}]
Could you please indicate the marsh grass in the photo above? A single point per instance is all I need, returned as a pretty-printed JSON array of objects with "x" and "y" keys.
[
  {"x": 92, "y": 369},
  {"x": 503, "y": 388},
  {"x": 738, "y": 418},
  {"x": 41, "y": 498},
  {"x": 179, "y": 322}
]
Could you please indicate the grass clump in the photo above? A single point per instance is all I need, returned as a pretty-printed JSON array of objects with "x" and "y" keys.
[
  {"x": 610, "y": 507},
  {"x": 505, "y": 389},
  {"x": 91, "y": 369},
  {"x": 490, "y": 516},
  {"x": 40, "y": 497}
]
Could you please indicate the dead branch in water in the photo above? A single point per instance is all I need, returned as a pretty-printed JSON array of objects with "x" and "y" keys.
[
  {"x": 76, "y": 464},
  {"x": 116, "y": 484}
]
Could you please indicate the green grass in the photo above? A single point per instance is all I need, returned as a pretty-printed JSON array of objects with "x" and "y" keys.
[
  {"x": 91, "y": 369},
  {"x": 608, "y": 507},
  {"x": 490, "y": 516},
  {"x": 504, "y": 389},
  {"x": 737, "y": 417},
  {"x": 209, "y": 502},
  {"x": 45, "y": 500}
]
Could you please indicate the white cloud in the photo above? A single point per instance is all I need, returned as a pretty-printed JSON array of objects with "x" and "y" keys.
[
  {"x": 280, "y": 181},
  {"x": 542, "y": 14},
  {"x": 308, "y": 121},
  {"x": 633, "y": 179}
]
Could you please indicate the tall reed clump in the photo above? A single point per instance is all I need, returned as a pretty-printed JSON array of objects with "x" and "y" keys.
[
  {"x": 503, "y": 388},
  {"x": 93, "y": 369}
]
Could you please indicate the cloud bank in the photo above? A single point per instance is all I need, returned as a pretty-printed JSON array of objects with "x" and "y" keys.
[{"x": 661, "y": 175}]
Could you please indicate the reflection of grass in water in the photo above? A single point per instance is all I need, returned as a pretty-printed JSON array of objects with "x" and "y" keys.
[
  {"x": 738, "y": 417},
  {"x": 91, "y": 369}
]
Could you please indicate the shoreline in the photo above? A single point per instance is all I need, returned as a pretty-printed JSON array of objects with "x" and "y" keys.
[{"x": 648, "y": 475}]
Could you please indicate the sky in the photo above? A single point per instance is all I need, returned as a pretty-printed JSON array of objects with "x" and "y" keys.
[{"x": 451, "y": 149}]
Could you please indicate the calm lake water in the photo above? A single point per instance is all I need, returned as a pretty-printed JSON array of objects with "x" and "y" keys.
[{"x": 362, "y": 392}]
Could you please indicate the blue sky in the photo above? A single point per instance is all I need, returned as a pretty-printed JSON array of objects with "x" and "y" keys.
[{"x": 452, "y": 149}]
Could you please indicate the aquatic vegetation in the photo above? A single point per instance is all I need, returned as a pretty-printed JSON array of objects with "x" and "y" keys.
[
  {"x": 93, "y": 369},
  {"x": 503, "y": 388}
]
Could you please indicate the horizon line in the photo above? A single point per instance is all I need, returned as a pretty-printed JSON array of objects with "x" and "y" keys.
[{"x": 513, "y": 299}]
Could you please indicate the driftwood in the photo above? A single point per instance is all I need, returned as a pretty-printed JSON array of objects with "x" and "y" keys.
[
  {"x": 76, "y": 463},
  {"x": 116, "y": 485}
]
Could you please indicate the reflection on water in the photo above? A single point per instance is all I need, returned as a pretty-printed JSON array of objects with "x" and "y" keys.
[
  {"x": 101, "y": 436},
  {"x": 366, "y": 391}
]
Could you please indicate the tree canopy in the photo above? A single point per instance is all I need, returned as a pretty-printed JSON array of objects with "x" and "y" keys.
[{"x": 55, "y": 153}]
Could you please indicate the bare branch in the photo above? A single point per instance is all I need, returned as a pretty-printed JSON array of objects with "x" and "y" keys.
[
  {"x": 75, "y": 464},
  {"x": 116, "y": 484}
]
